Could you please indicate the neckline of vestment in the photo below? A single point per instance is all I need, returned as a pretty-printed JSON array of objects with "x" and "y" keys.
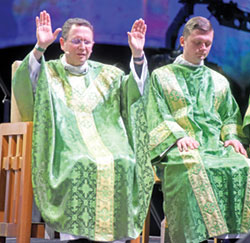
[
  {"x": 76, "y": 70},
  {"x": 180, "y": 60}
]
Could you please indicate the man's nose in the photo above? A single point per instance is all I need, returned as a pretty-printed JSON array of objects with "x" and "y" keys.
[
  {"x": 203, "y": 46},
  {"x": 82, "y": 44}
]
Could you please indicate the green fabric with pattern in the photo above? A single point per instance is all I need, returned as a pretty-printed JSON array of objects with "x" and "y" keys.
[
  {"x": 206, "y": 190},
  {"x": 91, "y": 169},
  {"x": 246, "y": 122}
]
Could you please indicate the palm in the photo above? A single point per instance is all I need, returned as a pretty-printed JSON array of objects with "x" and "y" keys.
[
  {"x": 136, "y": 37},
  {"x": 137, "y": 40},
  {"x": 44, "y": 33}
]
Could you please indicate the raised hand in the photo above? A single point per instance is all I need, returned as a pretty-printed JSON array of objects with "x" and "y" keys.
[
  {"x": 44, "y": 33},
  {"x": 136, "y": 38}
]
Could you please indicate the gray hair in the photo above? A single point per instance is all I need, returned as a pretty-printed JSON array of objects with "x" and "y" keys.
[
  {"x": 75, "y": 21},
  {"x": 199, "y": 23}
]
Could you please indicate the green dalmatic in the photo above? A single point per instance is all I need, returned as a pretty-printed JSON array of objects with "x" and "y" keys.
[{"x": 206, "y": 190}]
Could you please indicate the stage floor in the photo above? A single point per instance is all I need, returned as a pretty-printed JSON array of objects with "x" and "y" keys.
[{"x": 152, "y": 239}]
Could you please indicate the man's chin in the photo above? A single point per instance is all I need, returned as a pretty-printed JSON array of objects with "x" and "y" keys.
[
  {"x": 81, "y": 62},
  {"x": 202, "y": 57}
]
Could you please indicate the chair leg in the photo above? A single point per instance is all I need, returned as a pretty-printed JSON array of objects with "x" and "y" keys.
[
  {"x": 137, "y": 240},
  {"x": 2, "y": 239},
  {"x": 25, "y": 205},
  {"x": 146, "y": 228}
]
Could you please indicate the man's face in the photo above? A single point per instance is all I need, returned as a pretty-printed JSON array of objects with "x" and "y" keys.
[
  {"x": 78, "y": 46},
  {"x": 197, "y": 45}
]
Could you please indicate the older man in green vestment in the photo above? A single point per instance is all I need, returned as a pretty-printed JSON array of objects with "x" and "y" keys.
[
  {"x": 193, "y": 116},
  {"x": 91, "y": 169}
]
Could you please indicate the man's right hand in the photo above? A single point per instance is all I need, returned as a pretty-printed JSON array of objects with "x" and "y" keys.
[
  {"x": 44, "y": 34},
  {"x": 136, "y": 38},
  {"x": 186, "y": 143}
]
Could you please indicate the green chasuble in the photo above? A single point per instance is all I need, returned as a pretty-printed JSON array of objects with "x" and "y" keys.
[
  {"x": 91, "y": 168},
  {"x": 206, "y": 190},
  {"x": 246, "y": 122}
]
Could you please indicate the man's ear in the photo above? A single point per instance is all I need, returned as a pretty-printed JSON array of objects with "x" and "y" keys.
[
  {"x": 182, "y": 41},
  {"x": 61, "y": 40}
]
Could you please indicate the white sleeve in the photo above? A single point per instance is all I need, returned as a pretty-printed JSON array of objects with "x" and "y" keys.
[
  {"x": 140, "y": 81},
  {"x": 34, "y": 70}
]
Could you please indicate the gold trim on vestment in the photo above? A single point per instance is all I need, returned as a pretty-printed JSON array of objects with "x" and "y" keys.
[
  {"x": 176, "y": 99},
  {"x": 220, "y": 88},
  {"x": 161, "y": 132},
  {"x": 245, "y": 222},
  {"x": 83, "y": 101},
  {"x": 105, "y": 176},
  {"x": 197, "y": 174},
  {"x": 204, "y": 194},
  {"x": 231, "y": 129},
  {"x": 248, "y": 111}
]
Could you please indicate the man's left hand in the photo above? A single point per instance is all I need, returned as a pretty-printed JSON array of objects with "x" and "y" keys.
[
  {"x": 238, "y": 147},
  {"x": 136, "y": 38}
]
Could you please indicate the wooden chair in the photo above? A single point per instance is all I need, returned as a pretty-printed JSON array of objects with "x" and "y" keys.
[
  {"x": 16, "y": 194},
  {"x": 14, "y": 112},
  {"x": 146, "y": 227},
  {"x": 15, "y": 183}
]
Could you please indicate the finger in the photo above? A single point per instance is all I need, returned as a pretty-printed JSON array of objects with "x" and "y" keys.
[
  {"x": 236, "y": 148},
  {"x": 189, "y": 144},
  {"x": 47, "y": 19},
  {"x": 42, "y": 18},
  {"x": 246, "y": 154},
  {"x": 134, "y": 26},
  {"x": 226, "y": 143},
  {"x": 57, "y": 31},
  {"x": 196, "y": 144},
  {"x": 179, "y": 145},
  {"x": 138, "y": 25},
  {"x": 184, "y": 146},
  {"x": 242, "y": 150},
  {"x": 129, "y": 36},
  {"x": 142, "y": 27},
  {"x": 37, "y": 22},
  {"x": 192, "y": 142}
]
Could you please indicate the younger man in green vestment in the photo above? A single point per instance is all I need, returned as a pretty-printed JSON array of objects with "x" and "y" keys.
[
  {"x": 205, "y": 176},
  {"x": 91, "y": 169}
]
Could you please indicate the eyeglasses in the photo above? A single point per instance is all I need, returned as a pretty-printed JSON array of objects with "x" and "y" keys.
[{"x": 78, "y": 41}]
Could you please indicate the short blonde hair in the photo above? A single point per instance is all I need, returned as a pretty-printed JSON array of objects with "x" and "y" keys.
[{"x": 199, "y": 23}]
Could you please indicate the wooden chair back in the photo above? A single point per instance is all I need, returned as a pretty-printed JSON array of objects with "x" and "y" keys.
[
  {"x": 15, "y": 183},
  {"x": 16, "y": 195},
  {"x": 14, "y": 112}
]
